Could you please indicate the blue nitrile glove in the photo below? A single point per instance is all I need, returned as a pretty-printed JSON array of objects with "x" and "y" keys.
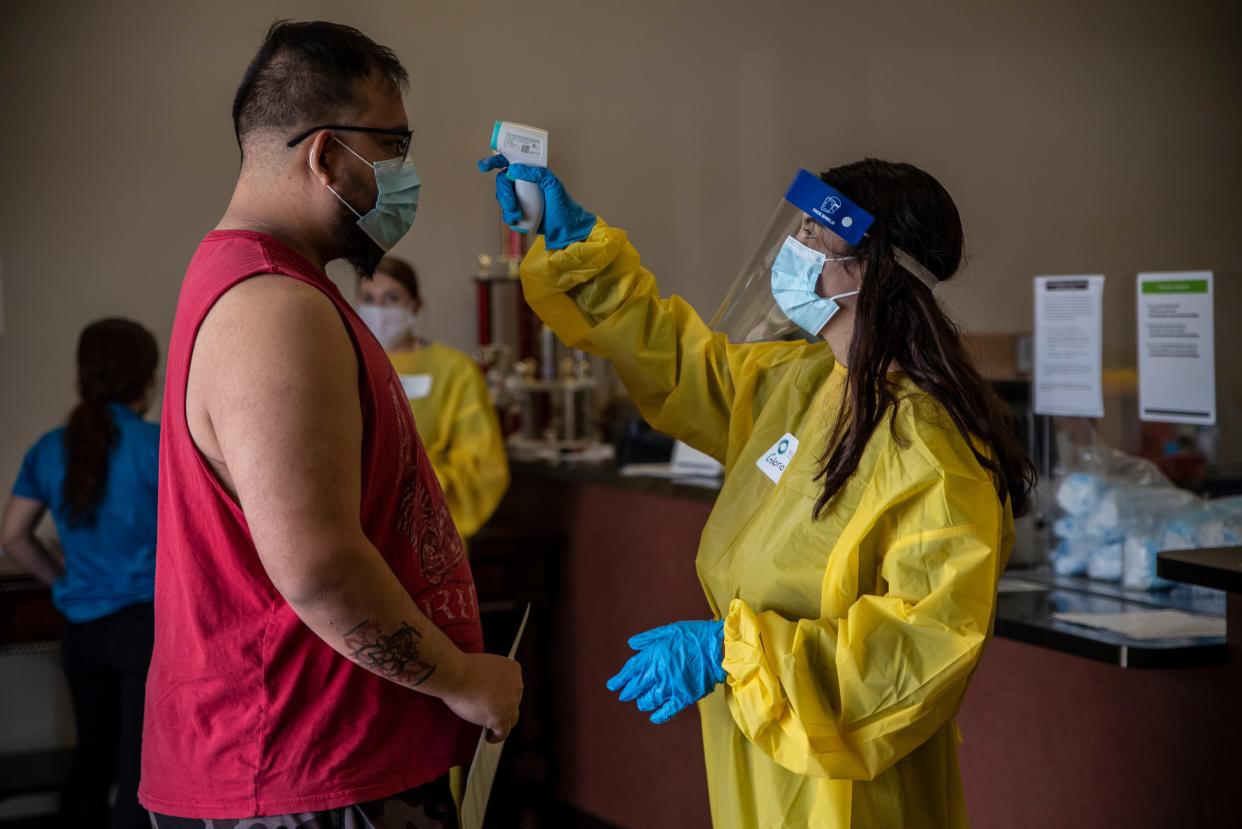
[
  {"x": 564, "y": 221},
  {"x": 676, "y": 666}
]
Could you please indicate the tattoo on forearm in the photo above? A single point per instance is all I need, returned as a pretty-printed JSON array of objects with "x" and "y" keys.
[{"x": 394, "y": 655}]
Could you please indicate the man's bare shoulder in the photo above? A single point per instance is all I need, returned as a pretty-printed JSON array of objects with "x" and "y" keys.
[
  {"x": 272, "y": 317},
  {"x": 276, "y": 300},
  {"x": 273, "y": 371},
  {"x": 268, "y": 342}
]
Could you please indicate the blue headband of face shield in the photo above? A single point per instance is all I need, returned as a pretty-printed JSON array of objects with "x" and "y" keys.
[
  {"x": 829, "y": 206},
  {"x": 833, "y": 209},
  {"x": 797, "y": 268}
]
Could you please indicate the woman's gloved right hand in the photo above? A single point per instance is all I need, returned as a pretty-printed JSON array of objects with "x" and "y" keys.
[{"x": 564, "y": 220}]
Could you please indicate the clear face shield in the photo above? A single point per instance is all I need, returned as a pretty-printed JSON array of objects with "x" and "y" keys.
[{"x": 779, "y": 294}]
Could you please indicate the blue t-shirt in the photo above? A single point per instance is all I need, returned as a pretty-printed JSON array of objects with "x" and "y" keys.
[{"x": 109, "y": 564}]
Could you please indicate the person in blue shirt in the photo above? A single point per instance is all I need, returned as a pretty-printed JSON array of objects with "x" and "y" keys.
[{"x": 97, "y": 475}]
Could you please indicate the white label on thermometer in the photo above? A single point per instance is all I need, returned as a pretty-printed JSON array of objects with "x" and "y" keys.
[{"x": 524, "y": 144}]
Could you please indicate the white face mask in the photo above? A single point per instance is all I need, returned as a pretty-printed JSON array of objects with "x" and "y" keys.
[
  {"x": 795, "y": 281},
  {"x": 391, "y": 324}
]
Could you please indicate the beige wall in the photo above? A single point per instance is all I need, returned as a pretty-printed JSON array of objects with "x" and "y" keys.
[{"x": 1076, "y": 137}]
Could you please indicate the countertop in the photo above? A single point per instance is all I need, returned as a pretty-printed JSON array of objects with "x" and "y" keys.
[
  {"x": 605, "y": 474},
  {"x": 1027, "y": 599}
]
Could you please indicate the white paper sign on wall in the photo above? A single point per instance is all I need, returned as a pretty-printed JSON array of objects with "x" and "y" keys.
[
  {"x": 1069, "y": 335},
  {"x": 1177, "y": 359}
]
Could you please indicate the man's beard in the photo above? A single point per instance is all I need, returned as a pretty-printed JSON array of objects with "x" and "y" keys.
[{"x": 353, "y": 244}]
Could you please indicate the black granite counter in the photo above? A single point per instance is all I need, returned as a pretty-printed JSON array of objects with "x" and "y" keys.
[
  {"x": 1027, "y": 600},
  {"x": 606, "y": 474}
]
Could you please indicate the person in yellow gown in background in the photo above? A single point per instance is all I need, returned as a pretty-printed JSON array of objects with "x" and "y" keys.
[
  {"x": 448, "y": 395},
  {"x": 852, "y": 580}
]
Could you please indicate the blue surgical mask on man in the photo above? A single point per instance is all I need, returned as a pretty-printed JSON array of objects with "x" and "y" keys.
[
  {"x": 795, "y": 279},
  {"x": 396, "y": 201}
]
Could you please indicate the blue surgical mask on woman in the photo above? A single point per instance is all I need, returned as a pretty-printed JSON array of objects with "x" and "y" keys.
[
  {"x": 795, "y": 277},
  {"x": 396, "y": 201}
]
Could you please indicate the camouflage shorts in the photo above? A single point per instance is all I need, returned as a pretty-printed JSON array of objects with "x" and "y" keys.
[{"x": 427, "y": 807}]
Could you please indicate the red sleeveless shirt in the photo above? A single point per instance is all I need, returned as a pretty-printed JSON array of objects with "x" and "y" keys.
[{"x": 248, "y": 712}]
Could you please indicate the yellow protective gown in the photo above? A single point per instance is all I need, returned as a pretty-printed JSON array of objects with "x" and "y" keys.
[
  {"x": 459, "y": 429},
  {"x": 849, "y": 640}
]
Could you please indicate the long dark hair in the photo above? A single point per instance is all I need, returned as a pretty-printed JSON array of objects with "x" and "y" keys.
[
  {"x": 898, "y": 321},
  {"x": 116, "y": 363}
]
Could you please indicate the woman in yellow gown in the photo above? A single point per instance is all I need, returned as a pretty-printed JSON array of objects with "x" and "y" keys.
[
  {"x": 872, "y": 476},
  {"x": 448, "y": 395}
]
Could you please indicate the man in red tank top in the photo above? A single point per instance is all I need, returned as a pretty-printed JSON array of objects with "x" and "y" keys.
[{"x": 317, "y": 653}]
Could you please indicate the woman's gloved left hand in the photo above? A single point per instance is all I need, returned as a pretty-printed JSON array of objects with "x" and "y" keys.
[
  {"x": 676, "y": 666},
  {"x": 564, "y": 220}
]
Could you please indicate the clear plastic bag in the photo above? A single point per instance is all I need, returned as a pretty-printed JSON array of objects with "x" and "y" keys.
[
  {"x": 1092, "y": 494},
  {"x": 1156, "y": 519},
  {"x": 1118, "y": 511}
]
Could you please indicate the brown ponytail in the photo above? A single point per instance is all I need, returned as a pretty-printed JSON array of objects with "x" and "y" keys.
[{"x": 116, "y": 363}]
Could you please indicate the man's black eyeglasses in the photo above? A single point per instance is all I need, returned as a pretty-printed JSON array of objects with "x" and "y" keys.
[{"x": 404, "y": 135}]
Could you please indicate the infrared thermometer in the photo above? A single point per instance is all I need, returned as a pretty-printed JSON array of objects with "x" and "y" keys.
[{"x": 522, "y": 144}]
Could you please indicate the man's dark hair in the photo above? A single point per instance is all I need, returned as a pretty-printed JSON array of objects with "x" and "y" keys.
[{"x": 306, "y": 73}]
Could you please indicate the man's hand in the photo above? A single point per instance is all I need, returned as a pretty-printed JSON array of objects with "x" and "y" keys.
[{"x": 490, "y": 693}]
